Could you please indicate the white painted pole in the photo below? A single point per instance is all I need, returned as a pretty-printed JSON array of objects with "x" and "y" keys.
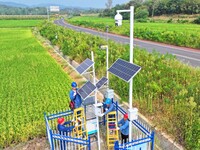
[
  {"x": 131, "y": 61},
  {"x": 94, "y": 81},
  {"x": 107, "y": 74},
  {"x": 48, "y": 13},
  {"x": 95, "y": 96}
]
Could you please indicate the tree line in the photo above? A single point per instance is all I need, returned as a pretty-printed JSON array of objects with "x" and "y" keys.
[
  {"x": 8, "y": 10},
  {"x": 157, "y": 7}
]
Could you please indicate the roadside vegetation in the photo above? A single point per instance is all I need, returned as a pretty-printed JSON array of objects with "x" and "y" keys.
[
  {"x": 165, "y": 90},
  {"x": 31, "y": 83},
  {"x": 187, "y": 35}
]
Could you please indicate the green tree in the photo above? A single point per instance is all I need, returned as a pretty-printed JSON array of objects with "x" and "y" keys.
[
  {"x": 109, "y": 4},
  {"x": 152, "y": 5},
  {"x": 141, "y": 13}
]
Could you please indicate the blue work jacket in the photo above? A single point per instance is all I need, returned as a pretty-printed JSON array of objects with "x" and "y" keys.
[
  {"x": 63, "y": 128},
  {"x": 76, "y": 99},
  {"x": 111, "y": 108},
  {"x": 124, "y": 128}
]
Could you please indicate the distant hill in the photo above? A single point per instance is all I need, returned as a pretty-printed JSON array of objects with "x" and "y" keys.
[
  {"x": 47, "y": 5},
  {"x": 12, "y": 4},
  {"x": 11, "y": 8}
]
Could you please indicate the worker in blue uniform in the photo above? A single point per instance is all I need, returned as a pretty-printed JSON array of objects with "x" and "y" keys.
[
  {"x": 109, "y": 106},
  {"x": 74, "y": 96},
  {"x": 124, "y": 128},
  {"x": 62, "y": 126}
]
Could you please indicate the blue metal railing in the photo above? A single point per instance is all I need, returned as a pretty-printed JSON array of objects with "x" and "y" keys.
[
  {"x": 60, "y": 138},
  {"x": 49, "y": 132},
  {"x": 149, "y": 136},
  {"x": 63, "y": 139}
]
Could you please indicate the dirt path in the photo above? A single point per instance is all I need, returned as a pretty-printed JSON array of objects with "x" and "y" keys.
[{"x": 35, "y": 144}]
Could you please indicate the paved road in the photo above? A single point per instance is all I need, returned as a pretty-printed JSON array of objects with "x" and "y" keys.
[{"x": 186, "y": 55}]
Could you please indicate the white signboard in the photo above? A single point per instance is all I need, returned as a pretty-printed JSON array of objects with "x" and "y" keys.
[
  {"x": 91, "y": 126},
  {"x": 54, "y": 8}
]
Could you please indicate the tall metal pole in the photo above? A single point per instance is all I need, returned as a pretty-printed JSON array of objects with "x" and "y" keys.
[
  {"x": 107, "y": 74},
  {"x": 48, "y": 13},
  {"x": 95, "y": 96},
  {"x": 131, "y": 61}
]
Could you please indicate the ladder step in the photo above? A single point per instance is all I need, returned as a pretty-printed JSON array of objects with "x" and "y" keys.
[
  {"x": 112, "y": 133},
  {"x": 80, "y": 130},
  {"x": 113, "y": 138}
]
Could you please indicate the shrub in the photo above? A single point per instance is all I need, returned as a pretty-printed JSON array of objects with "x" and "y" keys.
[
  {"x": 170, "y": 20},
  {"x": 182, "y": 21},
  {"x": 197, "y": 21},
  {"x": 141, "y": 20},
  {"x": 141, "y": 14}
]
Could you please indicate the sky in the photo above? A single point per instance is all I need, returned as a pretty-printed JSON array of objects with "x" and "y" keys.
[{"x": 77, "y": 3}]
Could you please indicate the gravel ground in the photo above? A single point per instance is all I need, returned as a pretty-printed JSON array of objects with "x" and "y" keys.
[{"x": 35, "y": 144}]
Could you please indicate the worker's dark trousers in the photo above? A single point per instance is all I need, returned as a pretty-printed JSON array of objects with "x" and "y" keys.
[{"x": 124, "y": 138}]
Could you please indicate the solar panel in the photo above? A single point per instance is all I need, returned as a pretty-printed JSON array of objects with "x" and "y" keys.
[
  {"x": 89, "y": 101},
  {"x": 124, "y": 69},
  {"x": 101, "y": 82},
  {"x": 84, "y": 66},
  {"x": 86, "y": 90}
]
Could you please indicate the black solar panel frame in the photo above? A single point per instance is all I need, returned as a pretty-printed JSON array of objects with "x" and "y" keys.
[
  {"x": 100, "y": 81},
  {"x": 86, "y": 90},
  {"x": 124, "y": 70},
  {"x": 84, "y": 66},
  {"x": 89, "y": 101}
]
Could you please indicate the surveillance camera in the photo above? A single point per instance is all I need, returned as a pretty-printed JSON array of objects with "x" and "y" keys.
[
  {"x": 117, "y": 24},
  {"x": 118, "y": 19}
]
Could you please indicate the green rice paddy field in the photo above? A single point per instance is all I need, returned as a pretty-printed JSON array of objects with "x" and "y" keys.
[
  {"x": 31, "y": 83},
  {"x": 18, "y": 23}
]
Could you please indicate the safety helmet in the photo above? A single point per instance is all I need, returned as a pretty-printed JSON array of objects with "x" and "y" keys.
[
  {"x": 108, "y": 101},
  {"x": 60, "y": 120},
  {"x": 74, "y": 85},
  {"x": 126, "y": 116}
]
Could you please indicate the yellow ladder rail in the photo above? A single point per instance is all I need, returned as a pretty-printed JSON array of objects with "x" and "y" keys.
[
  {"x": 112, "y": 132},
  {"x": 80, "y": 130}
]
